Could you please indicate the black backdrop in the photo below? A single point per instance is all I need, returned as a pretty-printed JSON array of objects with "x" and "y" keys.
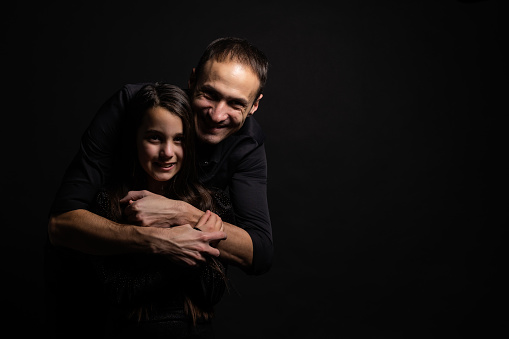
[{"x": 384, "y": 143}]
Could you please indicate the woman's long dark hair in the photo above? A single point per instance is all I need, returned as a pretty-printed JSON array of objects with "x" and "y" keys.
[{"x": 183, "y": 186}]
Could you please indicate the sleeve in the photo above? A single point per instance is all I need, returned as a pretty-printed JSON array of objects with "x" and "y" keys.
[
  {"x": 92, "y": 165},
  {"x": 248, "y": 193}
]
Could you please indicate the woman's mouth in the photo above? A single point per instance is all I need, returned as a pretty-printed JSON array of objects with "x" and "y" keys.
[{"x": 165, "y": 166}]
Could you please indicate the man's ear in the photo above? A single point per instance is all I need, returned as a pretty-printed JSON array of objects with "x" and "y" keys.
[
  {"x": 192, "y": 79},
  {"x": 255, "y": 105}
]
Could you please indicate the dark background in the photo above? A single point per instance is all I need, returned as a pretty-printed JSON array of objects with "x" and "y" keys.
[{"x": 384, "y": 131}]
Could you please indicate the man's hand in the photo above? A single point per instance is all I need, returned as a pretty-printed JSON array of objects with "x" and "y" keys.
[
  {"x": 187, "y": 245},
  {"x": 148, "y": 209}
]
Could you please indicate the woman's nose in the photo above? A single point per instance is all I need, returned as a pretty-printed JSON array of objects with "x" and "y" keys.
[{"x": 167, "y": 150}]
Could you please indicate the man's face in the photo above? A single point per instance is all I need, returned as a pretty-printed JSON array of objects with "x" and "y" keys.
[{"x": 223, "y": 97}]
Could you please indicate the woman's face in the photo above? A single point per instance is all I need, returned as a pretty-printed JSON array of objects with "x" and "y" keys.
[{"x": 159, "y": 142}]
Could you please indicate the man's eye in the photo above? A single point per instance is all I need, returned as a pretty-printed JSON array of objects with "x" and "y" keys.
[
  {"x": 237, "y": 105},
  {"x": 209, "y": 96}
]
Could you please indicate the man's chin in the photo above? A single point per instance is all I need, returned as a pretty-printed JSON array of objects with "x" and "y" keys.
[{"x": 211, "y": 139}]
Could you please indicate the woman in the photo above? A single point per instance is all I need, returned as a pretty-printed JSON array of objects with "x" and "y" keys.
[{"x": 149, "y": 295}]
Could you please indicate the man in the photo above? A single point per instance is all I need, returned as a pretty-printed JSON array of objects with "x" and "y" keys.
[{"x": 225, "y": 88}]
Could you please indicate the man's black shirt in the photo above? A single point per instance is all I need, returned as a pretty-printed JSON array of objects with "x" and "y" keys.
[{"x": 236, "y": 165}]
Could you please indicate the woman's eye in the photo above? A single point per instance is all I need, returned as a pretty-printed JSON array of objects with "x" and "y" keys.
[{"x": 154, "y": 138}]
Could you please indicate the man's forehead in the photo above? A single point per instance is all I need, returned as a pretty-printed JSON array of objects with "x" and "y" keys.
[{"x": 231, "y": 77}]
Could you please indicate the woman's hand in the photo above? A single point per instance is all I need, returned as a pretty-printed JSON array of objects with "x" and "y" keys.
[{"x": 210, "y": 222}]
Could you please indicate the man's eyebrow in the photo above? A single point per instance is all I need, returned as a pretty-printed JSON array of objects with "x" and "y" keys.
[
  {"x": 212, "y": 90},
  {"x": 209, "y": 89},
  {"x": 240, "y": 101}
]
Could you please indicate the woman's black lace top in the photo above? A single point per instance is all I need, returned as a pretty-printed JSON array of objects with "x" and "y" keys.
[{"x": 155, "y": 282}]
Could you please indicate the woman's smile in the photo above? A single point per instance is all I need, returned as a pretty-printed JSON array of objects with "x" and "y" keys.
[
  {"x": 165, "y": 166},
  {"x": 159, "y": 143}
]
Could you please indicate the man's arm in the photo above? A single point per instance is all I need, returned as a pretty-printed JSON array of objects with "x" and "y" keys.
[
  {"x": 239, "y": 249},
  {"x": 71, "y": 225},
  {"x": 92, "y": 165},
  {"x": 248, "y": 194},
  {"x": 87, "y": 232},
  {"x": 154, "y": 210},
  {"x": 249, "y": 245}
]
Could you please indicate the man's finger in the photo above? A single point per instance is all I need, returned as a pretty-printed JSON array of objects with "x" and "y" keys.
[{"x": 213, "y": 251}]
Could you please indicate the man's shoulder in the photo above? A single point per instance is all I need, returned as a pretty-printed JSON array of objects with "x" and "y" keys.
[
  {"x": 244, "y": 142},
  {"x": 251, "y": 130},
  {"x": 132, "y": 88}
]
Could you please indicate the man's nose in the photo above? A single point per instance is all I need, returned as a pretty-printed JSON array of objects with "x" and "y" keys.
[{"x": 219, "y": 112}]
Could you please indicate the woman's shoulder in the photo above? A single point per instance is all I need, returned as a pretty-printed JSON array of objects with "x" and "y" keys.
[{"x": 102, "y": 204}]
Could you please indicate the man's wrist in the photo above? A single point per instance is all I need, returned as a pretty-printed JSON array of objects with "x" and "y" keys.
[{"x": 188, "y": 214}]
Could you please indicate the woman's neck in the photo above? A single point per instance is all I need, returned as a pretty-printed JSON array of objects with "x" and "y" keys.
[{"x": 155, "y": 186}]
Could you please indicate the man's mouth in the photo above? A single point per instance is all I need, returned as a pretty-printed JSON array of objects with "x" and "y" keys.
[{"x": 214, "y": 128}]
